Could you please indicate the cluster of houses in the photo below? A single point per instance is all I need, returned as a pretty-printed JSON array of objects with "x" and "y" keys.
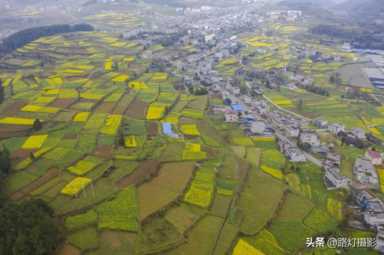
[
  {"x": 371, "y": 213},
  {"x": 364, "y": 169},
  {"x": 333, "y": 179},
  {"x": 355, "y": 136},
  {"x": 285, "y": 15},
  {"x": 290, "y": 150}
]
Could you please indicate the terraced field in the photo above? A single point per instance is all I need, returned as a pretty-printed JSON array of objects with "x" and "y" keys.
[{"x": 133, "y": 166}]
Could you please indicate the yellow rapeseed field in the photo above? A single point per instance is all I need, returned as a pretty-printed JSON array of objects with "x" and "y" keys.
[
  {"x": 121, "y": 78},
  {"x": 272, "y": 171},
  {"x": 17, "y": 121},
  {"x": 39, "y": 108},
  {"x": 75, "y": 186},
  {"x": 155, "y": 111},
  {"x": 34, "y": 142},
  {"x": 130, "y": 141},
  {"x": 159, "y": 76},
  {"x": 111, "y": 124},
  {"x": 81, "y": 117},
  {"x": 244, "y": 248},
  {"x": 190, "y": 129},
  {"x": 138, "y": 85},
  {"x": 380, "y": 172}
]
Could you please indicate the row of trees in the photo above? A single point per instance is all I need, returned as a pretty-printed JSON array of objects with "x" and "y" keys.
[
  {"x": 28, "y": 227},
  {"x": 317, "y": 90},
  {"x": 2, "y": 93},
  {"x": 26, "y": 36},
  {"x": 367, "y": 37}
]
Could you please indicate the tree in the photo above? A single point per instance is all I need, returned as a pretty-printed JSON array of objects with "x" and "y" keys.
[
  {"x": 28, "y": 228},
  {"x": 1, "y": 92},
  {"x": 300, "y": 105},
  {"x": 336, "y": 79},
  {"x": 121, "y": 139},
  {"x": 37, "y": 125},
  {"x": 23, "y": 37},
  {"x": 5, "y": 162}
]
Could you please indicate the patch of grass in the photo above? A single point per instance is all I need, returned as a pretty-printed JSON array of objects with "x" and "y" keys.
[
  {"x": 81, "y": 220},
  {"x": 121, "y": 213},
  {"x": 201, "y": 238},
  {"x": 259, "y": 201},
  {"x": 85, "y": 239}
]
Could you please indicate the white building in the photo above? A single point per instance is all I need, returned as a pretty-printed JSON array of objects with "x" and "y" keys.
[
  {"x": 293, "y": 132},
  {"x": 258, "y": 127},
  {"x": 336, "y": 128},
  {"x": 365, "y": 172},
  {"x": 295, "y": 155},
  {"x": 231, "y": 117},
  {"x": 310, "y": 138},
  {"x": 359, "y": 133},
  {"x": 333, "y": 179}
]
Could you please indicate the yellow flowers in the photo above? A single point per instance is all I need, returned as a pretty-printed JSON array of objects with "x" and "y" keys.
[
  {"x": 335, "y": 208},
  {"x": 34, "y": 142},
  {"x": 44, "y": 100},
  {"x": 159, "y": 76},
  {"x": 192, "y": 151},
  {"x": 81, "y": 117},
  {"x": 200, "y": 192},
  {"x": 111, "y": 125},
  {"x": 263, "y": 139},
  {"x": 38, "y": 108},
  {"x": 68, "y": 93},
  {"x": 283, "y": 102},
  {"x": 138, "y": 85},
  {"x": 244, "y": 248},
  {"x": 380, "y": 172},
  {"x": 108, "y": 65},
  {"x": 17, "y": 121},
  {"x": 272, "y": 171},
  {"x": 75, "y": 186},
  {"x": 259, "y": 42},
  {"x": 120, "y": 78},
  {"x": 55, "y": 81},
  {"x": 229, "y": 61},
  {"x": 82, "y": 167},
  {"x": 194, "y": 147},
  {"x": 129, "y": 59},
  {"x": 130, "y": 141},
  {"x": 91, "y": 96},
  {"x": 155, "y": 111},
  {"x": 190, "y": 129}
]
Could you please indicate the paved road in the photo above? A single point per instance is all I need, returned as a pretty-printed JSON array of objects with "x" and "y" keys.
[
  {"x": 285, "y": 110},
  {"x": 313, "y": 159}
]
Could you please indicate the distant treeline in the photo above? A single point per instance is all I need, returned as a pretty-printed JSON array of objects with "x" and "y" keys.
[
  {"x": 26, "y": 36},
  {"x": 368, "y": 37}
]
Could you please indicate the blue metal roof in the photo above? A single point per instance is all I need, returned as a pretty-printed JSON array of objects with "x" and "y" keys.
[{"x": 237, "y": 107}]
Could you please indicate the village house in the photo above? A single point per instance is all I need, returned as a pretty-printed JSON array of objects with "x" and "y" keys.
[
  {"x": 371, "y": 206},
  {"x": 334, "y": 180},
  {"x": 292, "y": 132},
  {"x": 231, "y": 117},
  {"x": 375, "y": 157},
  {"x": 365, "y": 172},
  {"x": 336, "y": 128},
  {"x": 380, "y": 239},
  {"x": 310, "y": 138},
  {"x": 258, "y": 128},
  {"x": 334, "y": 158},
  {"x": 292, "y": 153},
  {"x": 295, "y": 155},
  {"x": 359, "y": 133}
]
